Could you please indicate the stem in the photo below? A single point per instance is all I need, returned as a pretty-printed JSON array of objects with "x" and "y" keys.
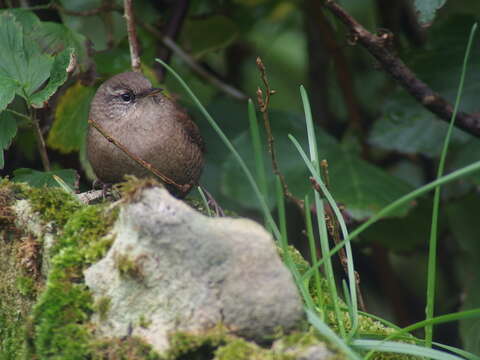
[
  {"x": 42, "y": 147},
  {"x": 132, "y": 35}
]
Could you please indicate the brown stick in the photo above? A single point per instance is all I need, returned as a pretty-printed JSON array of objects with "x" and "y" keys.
[
  {"x": 378, "y": 46},
  {"x": 183, "y": 188},
  {"x": 132, "y": 35},
  {"x": 342, "y": 70},
  {"x": 106, "y": 7},
  {"x": 179, "y": 10},
  {"x": 190, "y": 61},
  {"x": 263, "y": 103}
]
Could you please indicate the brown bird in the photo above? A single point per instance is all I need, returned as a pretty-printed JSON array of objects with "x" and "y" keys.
[{"x": 150, "y": 125}]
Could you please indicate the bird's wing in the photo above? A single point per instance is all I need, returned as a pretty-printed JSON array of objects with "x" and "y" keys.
[{"x": 191, "y": 129}]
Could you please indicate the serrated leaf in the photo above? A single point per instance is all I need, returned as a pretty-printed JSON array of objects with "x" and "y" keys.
[
  {"x": 54, "y": 38},
  {"x": 40, "y": 179},
  {"x": 8, "y": 87},
  {"x": 427, "y": 8},
  {"x": 58, "y": 75},
  {"x": 21, "y": 58},
  {"x": 69, "y": 128},
  {"x": 8, "y": 130},
  {"x": 363, "y": 188},
  {"x": 209, "y": 34}
]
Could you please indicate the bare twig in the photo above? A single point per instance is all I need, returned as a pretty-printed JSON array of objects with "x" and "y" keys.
[
  {"x": 42, "y": 147},
  {"x": 132, "y": 35},
  {"x": 263, "y": 103},
  {"x": 182, "y": 188},
  {"x": 378, "y": 46},
  {"x": 90, "y": 196},
  {"x": 342, "y": 71},
  {"x": 105, "y": 7},
  {"x": 334, "y": 231},
  {"x": 177, "y": 50},
  {"x": 178, "y": 13}
]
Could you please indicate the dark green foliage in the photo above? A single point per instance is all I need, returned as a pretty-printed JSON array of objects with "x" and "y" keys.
[{"x": 378, "y": 141}]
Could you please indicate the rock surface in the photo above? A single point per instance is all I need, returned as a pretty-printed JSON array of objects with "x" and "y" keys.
[{"x": 172, "y": 268}]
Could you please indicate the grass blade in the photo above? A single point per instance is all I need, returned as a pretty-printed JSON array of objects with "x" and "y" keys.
[
  {"x": 403, "y": 348},
  {"x": 432, "y": 250},
  {"x": 229, "y": 145}
]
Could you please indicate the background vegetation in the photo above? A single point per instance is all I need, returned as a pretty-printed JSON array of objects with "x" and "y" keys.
[{"x": 380, "y": 142}]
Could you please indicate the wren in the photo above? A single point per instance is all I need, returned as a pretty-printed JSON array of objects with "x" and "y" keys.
[{"x": 151, "y": 126}]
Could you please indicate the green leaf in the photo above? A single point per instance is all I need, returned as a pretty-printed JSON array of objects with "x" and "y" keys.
[
  {"x": 39, "y": 178},
  {"x": 412, "y": 132},
  {"x": 463, "y": 222},
  {"x": 58, "y": 76},
  {"x": 54, "y": 38},
  {"x": 21, "y": 58},
  {"x": 70, "y": 125},
  {"x": 8, "y": 87},
  {"x": 209, "y": 34},
  {"x": 403, "y": 234},
  {"x": 467, "y": 155},
  {"x": 361, "y": 187},
  {"x": 26, "y": 18},
  {"x": 427, "y": 9},
  {"x": 8, "y": 130},
  {"x": 95, "y": 28},
  {"x": 406, "y": 125}
]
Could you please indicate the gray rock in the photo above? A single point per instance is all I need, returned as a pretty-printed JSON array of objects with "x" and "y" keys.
[{"x": 172, "y": 268}]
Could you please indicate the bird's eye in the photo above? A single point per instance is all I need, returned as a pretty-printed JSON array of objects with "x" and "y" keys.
[{"x": 127, "y": 97}]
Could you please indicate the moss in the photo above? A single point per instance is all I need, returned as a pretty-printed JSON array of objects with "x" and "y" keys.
[
  {"x": 301, "y": 338},
  {"x": 26, "y": 286},
  {"x": 239, "y": 349},
  {"x": 102, "y": 306},
  {"x": 144, "y": 322},
  {"x": 60, "y": 317},
  {"x": 132, "y": 187},
  {"x": 52, "y": 204},
  {"x": 219, "y": 345},
  {"x": 193, "y": 346},
  {"x": 130, "y": 348},
  {"x": 128, "y": 267},
  {"x": 17, "y": 288}
]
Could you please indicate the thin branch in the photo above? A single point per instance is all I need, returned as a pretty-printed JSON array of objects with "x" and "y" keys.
[
  {"x": 42, "y": 147},
  {"x": 132, "y": 35},
  {"x": 105, "y": 7},
  {"x": 190, "y": 61},
  {"x": 342, "y": 72},
  {"x": 263, "y": 103},
  {"x": 182, "y": 188},
  {"x": 23, "y": 116},
  {"x": 378, "y": 46},
  {"x": 177, "y": 18}
]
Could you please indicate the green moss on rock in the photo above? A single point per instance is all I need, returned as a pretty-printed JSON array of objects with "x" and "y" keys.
[
  {"x": 60, "y": 317},
  {"x": 130, "y": 348}
]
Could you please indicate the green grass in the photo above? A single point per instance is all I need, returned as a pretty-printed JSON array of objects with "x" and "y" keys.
[
  {"x": 432, "y": 251},
  {"x": 348, "y": 339}
]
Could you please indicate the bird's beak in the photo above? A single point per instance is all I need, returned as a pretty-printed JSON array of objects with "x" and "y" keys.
[{"x": 154, "y": 91}]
